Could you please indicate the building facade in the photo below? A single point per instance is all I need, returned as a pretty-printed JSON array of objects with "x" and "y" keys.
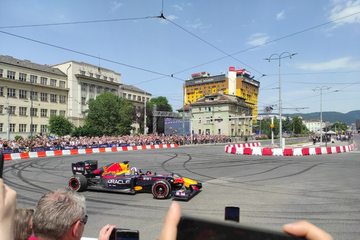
[
  {"x": 221, "y": 114},
  {"x": 31, "y": 93},
  {"x": 86, "y": 81},
  {"x": 238, "y": 83},
  {"x": 313, "y": 125}
]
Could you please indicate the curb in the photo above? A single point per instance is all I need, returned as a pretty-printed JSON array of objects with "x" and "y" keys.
[
  {"x": 245, "y": 149},
  {"x": 15, "y": 156}
]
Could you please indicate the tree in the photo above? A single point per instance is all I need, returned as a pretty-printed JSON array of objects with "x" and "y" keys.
[
  {"x": 109, "y": 115},
  {"x": 162, "y": 104},
  {"x": 85, "y": 130},
  {"x": 60, "y": 125},
  {"x": 297, "y": 125},
  {"x": 287, "y": 124},
  {"x": 339, "y": 126}
]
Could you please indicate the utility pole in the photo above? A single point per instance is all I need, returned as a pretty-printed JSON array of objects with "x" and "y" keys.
[
  {"x": 145, "y": 113},
  {"x": 8, "y": 122},
  {"x": 321, "y": 88}
]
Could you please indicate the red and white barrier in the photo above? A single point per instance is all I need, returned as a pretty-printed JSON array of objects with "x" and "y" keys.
[
  {"x": 16, "y": 156},
  {"x": 253, "y": 149}
]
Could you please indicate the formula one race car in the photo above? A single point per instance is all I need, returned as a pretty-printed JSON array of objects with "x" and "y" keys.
[{"x": 118, "y": 177}]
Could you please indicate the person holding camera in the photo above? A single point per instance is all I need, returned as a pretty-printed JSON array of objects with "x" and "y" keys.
[
  {"x": 300, "y": 229},
  {"x": 7, "y": 211},
  {"x": 61, "y": 214}
]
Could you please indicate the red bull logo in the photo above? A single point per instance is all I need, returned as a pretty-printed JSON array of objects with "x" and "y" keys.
[{"x": 114, "y": 169}]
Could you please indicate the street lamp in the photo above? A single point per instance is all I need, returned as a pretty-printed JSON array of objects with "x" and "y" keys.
[
  {"x": 321, "y": 88},
  {"x": 279, "y": 57}
]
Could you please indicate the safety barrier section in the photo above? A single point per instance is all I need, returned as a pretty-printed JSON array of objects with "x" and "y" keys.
[
  {"x": 278, "y": 152},
  {"x": 15, "y": 156},
  {"x": 247, "y": 151},
  {"x": 288, "y": 152},
  {"x": 298, "y": 152},
  {"x": 240, "y": 149},
  {"x": 267, "y": 152},
  {"x": 256, "y": 151}
]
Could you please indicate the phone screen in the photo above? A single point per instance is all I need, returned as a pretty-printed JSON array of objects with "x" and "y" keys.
[
  {"x": 232, "y": 214},
  {"x": 1, "y": 164},
  {"x": 124, "y": 234},
  {"x": 191, "y": 228}
]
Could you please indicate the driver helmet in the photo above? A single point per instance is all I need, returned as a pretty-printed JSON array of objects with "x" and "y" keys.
[{"x": 134, "y": 170}]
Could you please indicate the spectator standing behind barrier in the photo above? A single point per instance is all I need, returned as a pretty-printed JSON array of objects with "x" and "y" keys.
[
  {"x": 61, "y": 215},
  {"x": 23, "y": 228}
]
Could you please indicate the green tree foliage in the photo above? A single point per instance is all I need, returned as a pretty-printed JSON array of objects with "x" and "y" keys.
[
  {"x": 339, "y": 126},
  {"x": 297, "y": 125},
  {"x": 162, "y": 104},
  {"x": 60, "y": 125},
  {"x": 287, "y": 124},
  {"x": 109, "y": 115}
]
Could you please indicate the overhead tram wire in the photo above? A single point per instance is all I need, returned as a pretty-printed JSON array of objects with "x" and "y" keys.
[
  {"x": 92, "y": 56},
  {"x": 80, "y": 22}
]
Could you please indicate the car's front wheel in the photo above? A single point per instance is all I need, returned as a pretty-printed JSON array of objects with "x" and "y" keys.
[
  {"x": 78, "y": 183},
  {"x": 161, "y": 189}
]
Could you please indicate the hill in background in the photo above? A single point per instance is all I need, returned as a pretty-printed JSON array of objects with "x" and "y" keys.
[{"x": 348, "y": 118}]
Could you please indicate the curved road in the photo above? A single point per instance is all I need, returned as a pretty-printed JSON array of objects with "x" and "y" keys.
[{"x": 270, "y": 191}]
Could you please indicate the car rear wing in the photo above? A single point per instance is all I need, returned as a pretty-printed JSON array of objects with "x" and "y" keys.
[{"x": 78, "y": 168}]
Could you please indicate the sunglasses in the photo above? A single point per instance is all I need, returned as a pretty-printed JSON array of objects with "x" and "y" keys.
[{"x": 83, "y": 220}]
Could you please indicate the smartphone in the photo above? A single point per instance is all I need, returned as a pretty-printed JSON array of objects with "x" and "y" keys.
[
  {"x": 232, "y": 214},
  {"x": 124, "y": 234},
  {"x": 191, "y": 228},
  {"x": 1, "y": 164}
]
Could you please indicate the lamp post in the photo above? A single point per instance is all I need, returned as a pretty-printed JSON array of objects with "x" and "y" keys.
[
  {"x": 279, "y": 57},
  {"x": 321, "y": 88},
  {"x": 145, "y": 113}
]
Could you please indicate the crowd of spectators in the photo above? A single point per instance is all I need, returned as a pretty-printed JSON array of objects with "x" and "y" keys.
[{"x": 41, "y": 143}]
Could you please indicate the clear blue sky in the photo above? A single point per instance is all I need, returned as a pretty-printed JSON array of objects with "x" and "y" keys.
[{"x": 200, "y": 36}]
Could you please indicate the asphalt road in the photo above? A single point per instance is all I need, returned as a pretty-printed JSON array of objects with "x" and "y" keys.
[{"x": 270, "y": 191}]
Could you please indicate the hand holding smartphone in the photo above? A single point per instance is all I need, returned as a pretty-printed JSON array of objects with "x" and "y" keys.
[
  {"x": 1, "y": 164},
  {"x": 124, "y": 234}
]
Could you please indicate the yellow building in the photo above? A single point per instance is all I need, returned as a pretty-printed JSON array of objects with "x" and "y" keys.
[{"x": 238, "y": 83}]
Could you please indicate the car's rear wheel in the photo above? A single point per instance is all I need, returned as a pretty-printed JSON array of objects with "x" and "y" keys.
[
  {"x": 161, "y": 189},
  {"x": 78, "y": 183}
]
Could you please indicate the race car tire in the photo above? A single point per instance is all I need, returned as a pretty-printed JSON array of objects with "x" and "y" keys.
[
  {"x": 161, "y": 189},
  {"x": 78, "y": 183}
]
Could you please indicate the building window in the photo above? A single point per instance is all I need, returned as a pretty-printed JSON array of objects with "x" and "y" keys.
[
  {"x": 22, "y": 127},
  {"x": 1, "y": 73},
  {"x": 98, "y": 90},
  {"x": 53, "y": 98},
  {"x": 91, "y": 88},
  {"x": 106, "y": 89},
  {"x": 62, "y": 99},
  {"x": 1, "y": 127},
  {"x": 43, "y": 81},
  {"x": 91, "y": 74},
  {"x": 34, "y": 96},
  {"x": 111, "y": 79},
  {"x": 83, "y": 87},
  {"x": 44, "y": 112},
  {"x": 10, "y": 74},
  {"x": 12, "y": 110},
  {"x": 44, "y": 97},
  {"x": 124, "y": 95},
  {"x": 22, "y": 77},
  {"x": 33, "y": 79},
  {"x": 129, "y": 96},
  {"x": 83, "y": 100},
  {"x": 33, "y": 128},
  {"x": 33, "y": 112},
  {"x": 12, "y": 127},
  {"x": 52, "y": 113},
  {"x": 22, "y": 93},
  {"x": 62, "y": 113},
  {"x": 1, "y": 91},
  {"x": 43, "y": 128},
  {"x": 98, "y": 76},
  {"x": 22, "y": 111},
  {"x": 82, "y": 72},
  {"x": 1, "y": 109},
  {"x": 105, "y": 78},
  {"x": 113, "y": 90},
  {"x": 134, "y": 97},
  {"x": 53, "y": 82},
  {"x": 62, "y": 84}
]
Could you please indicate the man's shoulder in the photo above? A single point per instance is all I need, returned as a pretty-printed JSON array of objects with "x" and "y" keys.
[{"x": 33, "y": 238}]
